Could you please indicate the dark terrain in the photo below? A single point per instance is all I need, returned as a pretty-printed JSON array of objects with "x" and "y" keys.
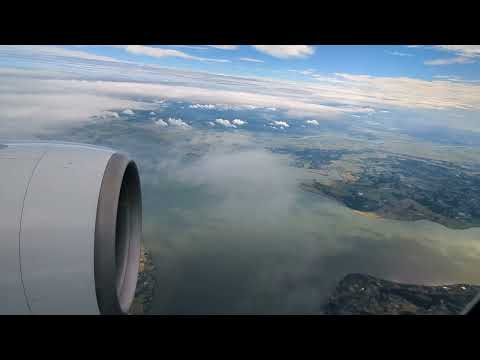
[
  {"x": 408, "y": 188},
  {"x": 367, "y": 295},
  {"x": 312, "y": 158},
  {"x": 145, "y": 284}
]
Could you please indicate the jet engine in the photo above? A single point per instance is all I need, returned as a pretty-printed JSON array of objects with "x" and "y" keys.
[{"x": 70, "y": 229}]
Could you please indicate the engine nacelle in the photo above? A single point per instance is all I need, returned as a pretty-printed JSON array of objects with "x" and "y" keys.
[{"x": 70, "y": 229}]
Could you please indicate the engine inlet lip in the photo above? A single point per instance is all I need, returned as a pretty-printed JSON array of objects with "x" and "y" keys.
[{"x": 117, "y": 236}]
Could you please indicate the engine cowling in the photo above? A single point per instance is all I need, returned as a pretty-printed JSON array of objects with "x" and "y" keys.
[{"x": 70, "y": 229}]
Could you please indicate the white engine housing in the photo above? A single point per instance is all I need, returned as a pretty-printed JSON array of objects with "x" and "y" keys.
[{"x": 70, "y": 229}]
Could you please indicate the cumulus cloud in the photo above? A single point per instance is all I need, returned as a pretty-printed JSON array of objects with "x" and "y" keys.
[
  {"x": 211, "y": 123},
  {"x": 161, "y": 123},
  {"x": 225, "y": 123},
  {"x": 128, "y": 112},
  {"x": 286, "y": 51},
  {"x": 238, "y": 122},
  {"x": 202, "y": 106},
  {"x": 109, "y": 114},
  {"x": 178, "y": 123},
  {"x": 312, "y": 122},
  {"x": 280, "y": 123}
]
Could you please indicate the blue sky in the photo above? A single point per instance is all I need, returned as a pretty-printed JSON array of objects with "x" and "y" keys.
[{"x": 376, "y": 60}]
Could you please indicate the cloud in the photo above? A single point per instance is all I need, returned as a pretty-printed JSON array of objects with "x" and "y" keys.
[
  {"x": 225, "y": 123},
  {"x": 161, "y": 123},
  {"x": 225, "y": 47},
  {"x": 280, "y": 123},
  {"x": 202, "y": 106},
  {"x": 464, "y": 50},
  {"x": 211, "y": 123},
  {"x": 398, "y": 53},
  {"x": 303, "y": 72},
  {"x": 466, "y": 54},
  {"x": 402, "y": 92},
  {"x": 51, "y": 97},
  {"x": 449, "y": 61},
  {"x": 58, "y": 51},
  {"x": 178, "y": 123},
  {"x": 286, "y": 51},
  {"x": 238, "y": 122},
  {"x": 128, "y": 112},
  {"x": 32, "y": 106},
  {"x": 312, "y": 122},
  {"x": 251, "y": 60},
  {"x": 109, "y": 114},
  {"x": 192, "y": 47},
  {"x": 162, "y": 52}
]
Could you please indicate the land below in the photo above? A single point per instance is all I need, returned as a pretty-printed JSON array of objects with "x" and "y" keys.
[
  {"x": 360, "y": 294},
  {"x": 395, "y": 186}
]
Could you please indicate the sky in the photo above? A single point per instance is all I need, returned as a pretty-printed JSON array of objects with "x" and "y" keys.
[
  {"x": 435, "y": 85},
  {"x": 296, "y": 61}
]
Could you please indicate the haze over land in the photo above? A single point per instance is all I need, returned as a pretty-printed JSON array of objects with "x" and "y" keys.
[{"x": 260, "y": 194}]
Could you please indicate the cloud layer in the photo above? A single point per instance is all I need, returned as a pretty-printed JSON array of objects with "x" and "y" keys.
[
  {"x": 42, "y": 98},
  {"x": 286, "y": 51}
]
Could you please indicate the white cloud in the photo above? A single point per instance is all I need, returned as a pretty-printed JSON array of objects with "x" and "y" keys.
[
  {"x": 202, "y": 106},
  {"x": 192, "y": 47},
  {"x": 178, "y": 123},
  {"x": 43, "y": 98},
  {"x": 312, "y": 122},
  {"x": 449, "y": 61},
  {"x": 280, "y": 123},
  {"x": 466, "y": 54},
  {"x": 109, "y": 114},
  {"x": 162, "y": 52},
  {"x": 225, "y": 47},
  {"x": 225, "y": 123},
  {"x": 286, "y": 51},
  {"x": 152, "y": 113},
  {"x": 47, "y": 50},
  {"x": 303, "y": 72},
  {"x": 161, "y": 123},
  {"x": 128, "y": 112},
  {"x": 251, "y": 60},
  {"x": 464, "y": 50},
  {"x": 238, "y": 122},
  {"x": 211, "y": 123},
  {"x": 32, "y": 106},
  {"x": 398, "y": 53}
]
